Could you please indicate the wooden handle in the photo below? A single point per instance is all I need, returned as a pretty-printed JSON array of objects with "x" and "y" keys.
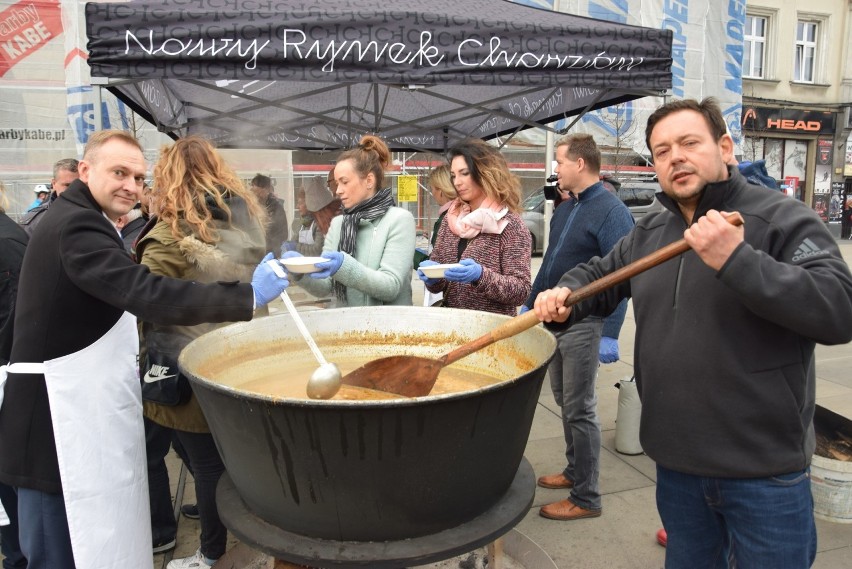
[
  {"x": 626, "y": 272},
  {"x": 529, "y": 319}
]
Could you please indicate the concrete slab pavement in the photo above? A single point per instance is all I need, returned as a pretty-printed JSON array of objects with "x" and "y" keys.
[{"x": 624, "y": 536}]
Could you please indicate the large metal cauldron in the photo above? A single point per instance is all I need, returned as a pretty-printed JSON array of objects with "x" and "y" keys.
[{"x": 377, "y": 470}]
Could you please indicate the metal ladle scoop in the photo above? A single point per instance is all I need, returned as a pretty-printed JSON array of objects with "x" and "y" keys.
[{"x": 325, "y": 382}]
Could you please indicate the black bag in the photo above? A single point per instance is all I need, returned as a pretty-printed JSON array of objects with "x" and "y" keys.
[{"x": 162, "y": 381}]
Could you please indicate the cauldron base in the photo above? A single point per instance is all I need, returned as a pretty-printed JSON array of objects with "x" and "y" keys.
[
  {"x": 517, "y": 552},
  {"x": 315, "y": 552}
]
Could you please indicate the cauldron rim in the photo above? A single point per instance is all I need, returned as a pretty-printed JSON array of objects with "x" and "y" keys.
[{"x": 359, "y": 404}]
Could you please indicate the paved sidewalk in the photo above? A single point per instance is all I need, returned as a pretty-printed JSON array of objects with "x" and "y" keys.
[{"x": 624, "y": 536}]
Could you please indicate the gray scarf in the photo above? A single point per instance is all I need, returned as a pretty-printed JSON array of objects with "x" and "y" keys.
[{"x": 372, "y": 208}]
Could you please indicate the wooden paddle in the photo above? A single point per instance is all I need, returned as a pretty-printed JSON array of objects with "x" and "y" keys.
[{"x": 414, "y": 376}]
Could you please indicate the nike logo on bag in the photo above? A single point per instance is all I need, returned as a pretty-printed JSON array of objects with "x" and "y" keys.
[
  {"x": 157, "y": 373},
  {"x": 808, "y": 249}
]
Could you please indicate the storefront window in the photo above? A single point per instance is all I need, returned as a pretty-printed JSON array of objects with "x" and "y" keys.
[
  {"x": 795, "y": 155},
  {"x": 786, "y": 161},
  {"x": 773, "y": 153},
  {"x": 753, "y": 149}
]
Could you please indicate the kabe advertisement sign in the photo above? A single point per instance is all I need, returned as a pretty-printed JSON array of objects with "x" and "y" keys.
[{"x": 47, "y": 107}]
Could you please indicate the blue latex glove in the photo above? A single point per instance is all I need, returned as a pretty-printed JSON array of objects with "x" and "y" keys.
[
  {"x": 469, "y": 272},
  {"x": 291, "y": 254},
  {"x": 608, "y": 352},
  {"x": 335, "y": 259},
  {"x": 287, "y": 246},
  {"x": 424, "y": 278},
  {"x": 524, "y": 308},
  {"x": 268, "y": 281}
]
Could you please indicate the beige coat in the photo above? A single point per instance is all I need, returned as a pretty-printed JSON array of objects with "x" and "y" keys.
[{"x": 232, "y": 258}]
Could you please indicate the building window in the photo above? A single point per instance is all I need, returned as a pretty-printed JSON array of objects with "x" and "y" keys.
[
  {"x": 806, "y": 45},
  {"x": 755, "y": 46}
]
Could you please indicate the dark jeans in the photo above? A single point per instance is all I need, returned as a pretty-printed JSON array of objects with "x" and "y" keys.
[
  {"x": 158, "y": 440},
  {"x": 207, "y": 467},
  {"x": 44, "y": 530},
  {"x": 747, "y": 523},
  {"x": 9, "y": 544}
]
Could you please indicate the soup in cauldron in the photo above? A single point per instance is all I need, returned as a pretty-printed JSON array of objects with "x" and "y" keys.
[{"x": 283, "y": 372}]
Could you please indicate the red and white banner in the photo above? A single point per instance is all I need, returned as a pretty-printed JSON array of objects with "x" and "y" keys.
[{"x": 25, "y": 28}]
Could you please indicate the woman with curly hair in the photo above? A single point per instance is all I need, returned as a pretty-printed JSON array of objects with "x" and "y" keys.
[
  {"x": 369, "y": 247},
  {"x": 484, "y": 232},
  {"x": 209, "y": 227}
]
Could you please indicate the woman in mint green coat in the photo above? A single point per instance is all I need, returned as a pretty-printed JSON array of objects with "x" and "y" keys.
[{"x": 369, "y": 247}]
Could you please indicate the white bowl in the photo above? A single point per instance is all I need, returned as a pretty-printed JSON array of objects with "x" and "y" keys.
[
  {"x": 303, "y": 264},
  {"x": 437, "y": 271}
]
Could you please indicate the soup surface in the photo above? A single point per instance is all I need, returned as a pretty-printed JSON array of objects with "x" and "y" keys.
[{"x": 282, "y": 373}]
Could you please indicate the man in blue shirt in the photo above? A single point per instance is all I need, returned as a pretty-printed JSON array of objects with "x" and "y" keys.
[{"x": 588, "y": 224}]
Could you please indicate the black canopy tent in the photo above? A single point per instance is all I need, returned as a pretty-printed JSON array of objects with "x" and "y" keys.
[{"x": 317, "y": 75}]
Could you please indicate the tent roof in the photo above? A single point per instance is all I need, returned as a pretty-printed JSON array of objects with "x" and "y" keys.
[{"x": 318, "y": 74}]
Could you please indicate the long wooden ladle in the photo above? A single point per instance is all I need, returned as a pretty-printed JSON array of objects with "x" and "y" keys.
[{"x": 414, "y": 376}]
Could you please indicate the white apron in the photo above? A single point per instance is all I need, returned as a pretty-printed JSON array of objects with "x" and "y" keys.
[
  {"x": 96, "y": 405},
  {"x": 306, "y": 236}
]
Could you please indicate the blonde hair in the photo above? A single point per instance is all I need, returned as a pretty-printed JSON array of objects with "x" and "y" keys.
[
  {"x": 440, "y": 178},
  {"x": 187, "y": 175},
  {"x": 4, "y": 199},
  {"x": 371, "y": 156},
  {"x": 489, "y": 169},
  {"x": 101, "y": 137}
]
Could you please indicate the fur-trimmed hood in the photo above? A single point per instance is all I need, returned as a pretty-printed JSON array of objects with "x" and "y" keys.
[
  {"x": 213, "y": 263},
  {"x": 234, "y": 256}
]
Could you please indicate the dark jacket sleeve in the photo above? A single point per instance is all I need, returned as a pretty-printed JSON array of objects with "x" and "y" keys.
[
  {"x": 277, "y": 231},
  {"x": 97, "y": 266},
  {"x": 11, "y": 258}
]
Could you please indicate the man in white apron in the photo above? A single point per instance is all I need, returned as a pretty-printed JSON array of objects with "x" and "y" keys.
[{"x": 71, "y": 431}]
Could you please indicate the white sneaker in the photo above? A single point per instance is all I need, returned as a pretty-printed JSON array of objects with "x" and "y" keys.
[{"x": 197, "y": 561}]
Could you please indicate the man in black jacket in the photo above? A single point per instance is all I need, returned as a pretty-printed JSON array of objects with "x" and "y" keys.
[
  {"x": 71, "y": 422},
  {"x": 13, "y": 244},
  {"x": 64, "y": 172},
  {"x": 277, "y": 229},
  {"x": 724, "y": 355}
]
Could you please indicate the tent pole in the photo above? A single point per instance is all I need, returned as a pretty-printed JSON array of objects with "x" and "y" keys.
[
  {"x": 349, "y": 116},
  {"x": 548, "y": 170},
  {"x": 548, "y": 153},
  {"x": 98, "y": 83},
  {"x": 376, "y": 108}
]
